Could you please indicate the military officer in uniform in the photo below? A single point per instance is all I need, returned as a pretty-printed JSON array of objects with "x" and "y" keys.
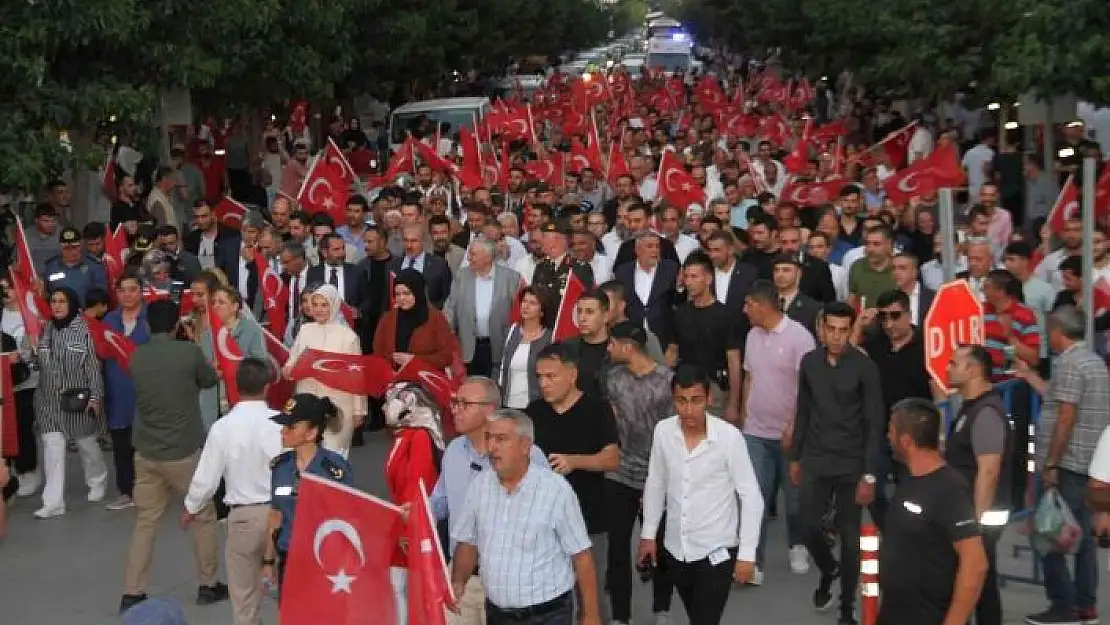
[
  {"x": 74, "y": 268},
  {"x": 550, "y": 277},
  {"x": 303, "y": 420}
]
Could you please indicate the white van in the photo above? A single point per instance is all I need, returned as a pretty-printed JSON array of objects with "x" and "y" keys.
[
  {"x": 671, "y": 54},
  {"x": 453, "y": 112}
]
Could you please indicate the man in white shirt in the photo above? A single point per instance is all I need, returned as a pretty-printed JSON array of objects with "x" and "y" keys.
[
  {"x": 977, "y": 161},
  {"x": 710, "y": 539},
  {"x": 239, "y": 449},
  {"x": 671, "y": 227}
]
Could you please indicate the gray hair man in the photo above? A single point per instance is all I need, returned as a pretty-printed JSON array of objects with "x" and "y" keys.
[{"x": 523, "y": 524}]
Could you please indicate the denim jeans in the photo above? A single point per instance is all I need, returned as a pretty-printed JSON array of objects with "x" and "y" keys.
[
  {"x": 769, "y": 464},
  {"x": 1063, "y": 592}
]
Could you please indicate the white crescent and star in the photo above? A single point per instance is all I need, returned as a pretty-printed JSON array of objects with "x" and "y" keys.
[
  {"x": 316, "y": 185},
  {"x": 667, "y": 184},
  {"x": 221, "y": 344},
  {"x": 904, "y": 184},
  {"x": 341, "y": 581}
]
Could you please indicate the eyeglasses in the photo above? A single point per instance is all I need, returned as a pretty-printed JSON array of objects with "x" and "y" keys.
[
  {"x": 889, "y": 315},
  {"x": 464, "y": 403}
]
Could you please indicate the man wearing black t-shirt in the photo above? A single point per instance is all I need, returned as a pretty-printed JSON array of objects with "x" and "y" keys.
[
  {"x": 931, "y": 524},
  {"x": 579, "y": 435},
  {"x": 592, "y": 342},
  {"x": 707, "y": 335},
  {"x": 898, "y": 352}
]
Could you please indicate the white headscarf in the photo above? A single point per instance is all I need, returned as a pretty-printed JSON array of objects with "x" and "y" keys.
[{"x": 334, "y": 302}]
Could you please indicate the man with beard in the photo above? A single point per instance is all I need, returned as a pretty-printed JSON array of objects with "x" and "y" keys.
[
  {"x": 442, "y": 246},
  {"x": 816, "y": 280},
  {"x": 1072, "y": 236},
  {"x": 526, "y": 265},
  {"x": 625, "y": 189}
]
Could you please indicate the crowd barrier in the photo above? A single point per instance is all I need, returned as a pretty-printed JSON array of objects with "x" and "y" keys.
[{"x": 1011, "y": 391}]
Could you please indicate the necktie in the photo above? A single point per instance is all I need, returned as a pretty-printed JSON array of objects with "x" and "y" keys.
[
  {"x": 334, "y": 277},
  {"x": 782, "y": 304}
]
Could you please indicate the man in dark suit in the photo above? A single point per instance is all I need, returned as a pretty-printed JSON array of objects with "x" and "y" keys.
[
  {"x": 214, "y": 244},
  {"x": 786, "y": 274},
  {"x": 334, "y": 270},
  {"x": 907, "y": 279},
  {"x": 650, "y": 284},
  {"x": 816, "y": 280},
  {"x": 476, "y": 218},
  {"x": 732, "y": 278},
  {"x": 637, "y": 219},
  {"x": 437, "y": 275},
  {"x": 375, "y": 274}
]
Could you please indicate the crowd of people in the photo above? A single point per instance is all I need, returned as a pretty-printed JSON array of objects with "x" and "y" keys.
[{"x": 727, "y": 344}]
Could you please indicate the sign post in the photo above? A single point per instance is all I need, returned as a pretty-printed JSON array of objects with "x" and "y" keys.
[{"x": 954, "y": 319}]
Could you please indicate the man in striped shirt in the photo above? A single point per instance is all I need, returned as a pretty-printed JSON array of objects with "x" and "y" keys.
[
  {"x": 1010, "y": 327},
  {"x": 523, "y": 524}
]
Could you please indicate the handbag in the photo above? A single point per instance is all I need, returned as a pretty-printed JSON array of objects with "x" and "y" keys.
[{"x": 76, "y": 399}]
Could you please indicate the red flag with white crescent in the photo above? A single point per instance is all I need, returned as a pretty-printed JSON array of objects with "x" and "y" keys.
[
  {"x": 281, "y": 388},
  {"x": 351, "y": 373},
  {"x": 110, "y": 344},
  {"x": 566, "y": 326},
  {"x": 429, "y": 586},
  {"x": 436, "y": 382},
  {"x": 32, "y": 307},
  {"x": 676, "y": 185},
  {"x": 9, "y": 432},
  {"x": 327, "y": 186},
  {"x": 275, "y": 294},
  {"x": 337, "y": 569},
  {"x": 24, "y": 263},
  {"x": 228, "y": 354},
  {"x": 230, "y": 213}
]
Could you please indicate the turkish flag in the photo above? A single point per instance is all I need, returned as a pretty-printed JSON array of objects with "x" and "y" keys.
[
  {"x": 1069, "y": 203},
  {"x": 9, "y": 433},
  {"x": 230, "y": 213},
  {"x": 352, "y": 373},
  {"x": 467, "y": 176},
  {"x": 617, "y": 166},
  {"x": 429, "y": 586},
  {"x": 114, "y": 247},
  {"x": 897, "y": 145},
  {"x": 565, "y": 325},
  {"x": 798, "y": 159},
  {"x": 545, "y": 170},
  {"x": 275, "y": 294},
  {"x": 471, "y": 156},
  {"x": 327, "y": 186},
  {"x": 24, "y": 264},
  {"x": 31, "y": 304},
  {"x": 108, "y": 179},
  {"x": 940, "y": 169},
  {"x": 582, "y": 157},
  {"x": 811, "y": 193},
  {"x": 337, "y": 568},
  {"x": 676, "y": 185},
  {"x": 281, "y": 389},
  {"x": 435, "y": 381},
  {"x": 402, "y": 162},
  {"x": 228, "y": 354},
  {"x": 110, "y": 344}
]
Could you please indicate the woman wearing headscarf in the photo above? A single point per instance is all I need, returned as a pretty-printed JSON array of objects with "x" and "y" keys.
[
  {"x": 413, "y": 329},
  {"x": 327, "y": 332},
  {"x": 68, "y": 401},
  {"x": 418, "y": 443}
]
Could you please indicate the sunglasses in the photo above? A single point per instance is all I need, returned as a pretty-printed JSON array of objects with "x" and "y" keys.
[{"x": 889, "y": 315}]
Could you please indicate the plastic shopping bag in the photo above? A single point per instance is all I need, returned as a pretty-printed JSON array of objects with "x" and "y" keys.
[{"x": 1055, "y": 529}]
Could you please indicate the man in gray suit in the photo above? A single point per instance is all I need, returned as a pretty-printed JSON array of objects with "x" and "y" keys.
[{"x": 478, "y": 308}]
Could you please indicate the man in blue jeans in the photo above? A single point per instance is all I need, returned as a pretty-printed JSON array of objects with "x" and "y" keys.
[
  {"x": 1075, "y": 413},
  {"x": 768, "y": 403}
]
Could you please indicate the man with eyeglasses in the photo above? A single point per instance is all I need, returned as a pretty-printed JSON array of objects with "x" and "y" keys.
[
  {"x": 898, "y": 351},
  {"x": 465, "y": 457}
]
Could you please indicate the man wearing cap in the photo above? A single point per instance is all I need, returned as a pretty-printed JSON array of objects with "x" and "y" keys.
[
  {"x": 73, "y": 268},
  {"x": 551, "y": 274},
  {"x": 43, "y": 240}
]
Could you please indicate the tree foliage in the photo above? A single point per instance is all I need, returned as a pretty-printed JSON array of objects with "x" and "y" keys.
[
  {"x": 96, "y": 68},
  {"x": 927, "y": 47}
]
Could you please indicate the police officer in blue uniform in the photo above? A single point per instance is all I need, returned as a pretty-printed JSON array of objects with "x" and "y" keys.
[
  {"x": 303, "y": 420},
  {"x": 74, "y": 268}
]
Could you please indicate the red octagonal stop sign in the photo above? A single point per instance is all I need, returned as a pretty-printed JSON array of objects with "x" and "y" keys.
[{"x": 954, "y": 319}]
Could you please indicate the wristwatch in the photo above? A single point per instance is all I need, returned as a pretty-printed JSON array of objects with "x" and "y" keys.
[{"x": 869, "y": 479}]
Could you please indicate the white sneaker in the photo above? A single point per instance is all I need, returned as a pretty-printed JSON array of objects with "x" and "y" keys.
[
  {"x": 49, "y": 513},
  {"x": 96, "y": 495},
  {"x": 29, "y": 484},
  {"x": 799, "y": 560},
  {"x": 662, "y": 618},
  {"x": 757, "y": 577}
]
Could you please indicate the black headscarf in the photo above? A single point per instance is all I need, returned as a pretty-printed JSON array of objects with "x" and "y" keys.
[
  {"x": 409, "y": 320},
  {"x": 74, "y": 308}
]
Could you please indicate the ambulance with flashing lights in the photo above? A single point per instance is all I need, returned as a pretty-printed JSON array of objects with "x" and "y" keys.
[{"x": 671, "y": 54}]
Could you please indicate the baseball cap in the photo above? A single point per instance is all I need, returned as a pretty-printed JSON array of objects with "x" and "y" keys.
[
  {"x": 786, "y": 258},
  {"x": 70, "y": 236},
  {"x": 628, "y": 331},
  {"x": 155, "y": 611},
  {"x": 303, "y": 407}
]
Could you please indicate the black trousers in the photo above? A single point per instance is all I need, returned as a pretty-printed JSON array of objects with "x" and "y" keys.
[
  {"x": 817, "y": 491},
  {"x": 123, "y": 455},
  {"x": 703, "y": 587},
  {"x": 28, "y": 458},
  {"x": 482, "y": 362},
  {"x": 989, "y": 609},
  {"x": 623, "y": 510},
  {"x": 558, "y": 611}
]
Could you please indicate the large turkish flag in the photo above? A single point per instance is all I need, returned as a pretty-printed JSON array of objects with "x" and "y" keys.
[
  {"x": 337, "y": 570},
  {"x": 228, "y": 354},
  {"x": 429, "y": 586},
  {"x": 353, "y": 373}
]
